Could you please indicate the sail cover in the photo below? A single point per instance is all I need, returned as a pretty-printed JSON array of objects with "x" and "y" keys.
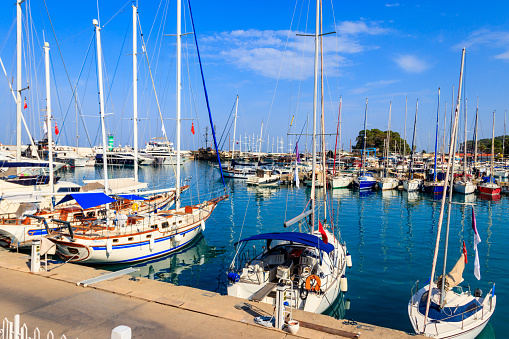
[
  {"x": 88, "y": 200},
  {"x": 296, "y": 237},
  {"x": 455, "y": 276}
]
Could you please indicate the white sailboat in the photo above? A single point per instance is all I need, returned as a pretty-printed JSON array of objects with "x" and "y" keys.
[
  {"x": 388, "y": 183},
  {"x": 340, "y": 179},
  {"x": 412, "y": 184},
  {"x": 442, "y": 309},
  {"x": 308, "y": 266},
  {"x": 139, "y": 236},
  {"x": 465, "y": 186}
]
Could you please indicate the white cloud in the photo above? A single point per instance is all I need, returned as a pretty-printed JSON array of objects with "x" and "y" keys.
[
  {"x": 485, "y": 37},
  {"x": 411, "y": 63},
  {"x": 392, "y": 5},
  {"x": 371, "y": 85},
  {"x": 284, "y": 54}
]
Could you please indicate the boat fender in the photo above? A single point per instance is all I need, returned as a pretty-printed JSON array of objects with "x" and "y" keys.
[
  {"x": 109, "y": 246},
  {"x": 316, "y": 286},
  {"x": 348, "y": 260},
  {"x": 347, "y": 304},
  {"x": 343, "y": 284},
  {"x": 202, "y": 225},
  {"x": 178, "y": 238},
  {"x": 151, "y": 244},
  {"x": 135, "y": 207}
]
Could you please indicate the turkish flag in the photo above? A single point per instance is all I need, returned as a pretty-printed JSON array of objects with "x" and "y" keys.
[
  {"x": 56, "y": 128},
  {"x": 322, "y": 231},
  {"x": 25, "y": 106},
  {"x": 192, "y": 128},
  {"x": 465, "y": 252}
]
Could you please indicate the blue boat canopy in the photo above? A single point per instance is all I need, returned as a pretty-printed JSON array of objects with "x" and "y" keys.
[
  {"x": 301, "y": 238},
  {"x": 88, "y": 200},
  {"x": 131, "y": 197}
]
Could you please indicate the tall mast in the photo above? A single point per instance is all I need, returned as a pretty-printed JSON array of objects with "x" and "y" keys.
[
  {"x": 444, "y": 196},
  {"x": 465, "y": 148},
  {"x": 101, "y": 101},
  {"x": 48, "y": 120},
  {"x": 315, "y": 103},
  {"x": 476, "y": 121},
  {"x": 413, "y": 141},
  {"x": 363, "y": 158},
  {"x": 492, "y": 148},
  {"x": 235, "y": 124},
  {"x": 322, "y": 106},
  {"x": 404, "y": 133},
  {"x": 445, "y": 123},
  {"x": 388, "y": 140},
  {"x": 260, "y": 148},
  {"x": 179, "y": 83},
  {"x": 503, "y": 140},
  {"x": 135, "y": 92},
  {"x": 338, "y": 132},
  {"x": 436, "y": 138},
  {"x": 18, "y": 80}
]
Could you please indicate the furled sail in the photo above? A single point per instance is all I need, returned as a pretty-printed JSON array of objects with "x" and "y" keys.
[{"x": 455, "y": 276}]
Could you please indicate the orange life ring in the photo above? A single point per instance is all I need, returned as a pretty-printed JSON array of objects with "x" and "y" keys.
[{"x": 317, "y": 286}]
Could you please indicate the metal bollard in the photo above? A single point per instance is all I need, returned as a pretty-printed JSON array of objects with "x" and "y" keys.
[
  {"x": 121, "y": 332},
  {"x": 280, "y": 308},
  {"x": 35, "y": 258}
]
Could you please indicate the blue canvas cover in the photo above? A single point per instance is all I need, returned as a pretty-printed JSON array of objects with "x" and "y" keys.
[
  {"x": 301, "y": 238},
  {"x": 131, "y": 197},
  {"x": 88, "y": 200}
]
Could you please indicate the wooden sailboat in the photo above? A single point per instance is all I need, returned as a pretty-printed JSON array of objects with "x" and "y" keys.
[
  {"x": 441, "y": 309},
  {"x": 138, "y": 236},
  {"x": 310, "y": 266}
]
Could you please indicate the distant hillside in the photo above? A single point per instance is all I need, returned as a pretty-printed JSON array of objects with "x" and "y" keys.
[
  {"x": 376, "y": 137},
  {"x": 484, "y": 145}
]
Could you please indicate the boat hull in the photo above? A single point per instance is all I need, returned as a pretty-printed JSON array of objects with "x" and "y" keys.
[
  {"x": 341, "y": 182},
  {"x": 364, "y": 183},
  {"x": 464, "y": 187},
  {"x": 489, "y": 189},
  {"x": 411, "y": 185}
]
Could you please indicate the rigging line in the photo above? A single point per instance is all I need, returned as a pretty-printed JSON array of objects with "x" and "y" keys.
[
  {"x": 192, "y": 98},
  {"x": 60, "y": 52},
  {"x": 280, "y": 66},
  {"x": 206, "y": 95},
  {"x": 114, "y": 15},
  {"x": 75, "y": 95},
  {"x": 58, "y": 97},
  {"x": 227, "y": 121},
  {"x": 7, "y": 35}
]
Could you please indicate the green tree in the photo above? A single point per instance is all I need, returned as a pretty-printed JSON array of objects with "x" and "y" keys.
[{"x": 375, "y": 138}]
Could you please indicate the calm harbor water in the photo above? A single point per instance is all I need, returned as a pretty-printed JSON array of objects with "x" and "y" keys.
[{"x": 390, "y": 235}]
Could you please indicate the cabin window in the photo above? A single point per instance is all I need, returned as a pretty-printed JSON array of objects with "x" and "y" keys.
[
  {"x": 154, "y": 227},
  {"x": 165, "y": 224},
  {"x": 115, "y": 240},
  {"x": 174, "y": 223},
  {"x": 180, "y": 221},
  {"x": 149, "y": 236},
  {"x": 130, "y": 239}
]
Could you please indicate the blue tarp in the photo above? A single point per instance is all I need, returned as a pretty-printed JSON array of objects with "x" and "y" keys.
[
  {"x": 88, "y": 200},
  {"x": 450, "y": 314},
  {"x": 131, "y": 197},
  {"x": 301, "y": 238}
]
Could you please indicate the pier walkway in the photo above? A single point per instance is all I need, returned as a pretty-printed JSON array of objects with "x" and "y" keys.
[{"x": 152, "y": 309}]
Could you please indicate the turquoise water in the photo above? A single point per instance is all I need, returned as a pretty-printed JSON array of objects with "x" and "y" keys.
[{"x": 390, "y": 235}]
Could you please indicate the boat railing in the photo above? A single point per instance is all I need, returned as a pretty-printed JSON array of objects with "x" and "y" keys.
[{"x": 413, "y": 293}]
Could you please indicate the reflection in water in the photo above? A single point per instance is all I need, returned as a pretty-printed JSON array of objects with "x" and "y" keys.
[{"x": 339, "y": 307}]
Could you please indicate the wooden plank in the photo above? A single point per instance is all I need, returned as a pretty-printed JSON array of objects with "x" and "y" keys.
[
  {"x": 264, "y": 291},
  {"x": 333, "y": 331}
]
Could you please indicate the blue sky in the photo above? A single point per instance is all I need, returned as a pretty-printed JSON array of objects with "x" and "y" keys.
[{"x": 382, "y": 50}]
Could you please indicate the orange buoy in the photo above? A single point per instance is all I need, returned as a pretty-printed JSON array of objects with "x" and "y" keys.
[{"x": 316, "y": 286}]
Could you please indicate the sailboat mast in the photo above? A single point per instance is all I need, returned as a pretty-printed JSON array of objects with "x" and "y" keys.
[
  {"x": 322, "y": 106},
  {"x": 503, "y": 140},
  {"x": 101, "y": 101},
  {"x": 235, "y": 125},
  {"x": 492, "y": 148},
  {"x": 48, "y": 120},
  {"x": 363, "y": 158},
  {"x": 179, "y": 82},
  {"x": 338, "y": 132},
  {"x": 18, "y": 80},
  {"x": 135, "y": 92},
  {"x": 315, "y": 103},
  {"x": 465, "y": 148},
  {"x": 445, "y": 123},
  {"x": 388, "y": 140},
  {"x": 404, "y": 133},
  {"x": 476, "y": 121},
  {"x": 261, "y": 139},
  {"x": 411, "y": 174},
  {"x": 436, "y": 138},
  {"x": 444, "y": 196}
]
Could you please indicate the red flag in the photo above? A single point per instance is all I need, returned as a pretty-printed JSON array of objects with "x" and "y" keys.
[
  {"x": 56, "y": 128},
  {"x": 322, "y": 231},
  {"x": 465, "y": 252},
  {"x": 25, "y": 106},
  {"x": 192, "y": 128}
]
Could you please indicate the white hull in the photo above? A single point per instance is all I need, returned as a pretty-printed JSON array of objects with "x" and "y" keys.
[
  {"x": 388, "y": 183},
  {"x": 463, "y": 187},
  {"x": 341, "y": 181},
  {"x": 411, "y": 185}
]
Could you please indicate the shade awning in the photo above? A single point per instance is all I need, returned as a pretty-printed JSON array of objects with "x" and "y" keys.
[
  {"x": 88, "y": 200},
  {"x": 296, "y": 237},
  {"x": 131, "y": 197}
]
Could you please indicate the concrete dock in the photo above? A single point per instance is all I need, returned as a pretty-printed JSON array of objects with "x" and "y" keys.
[{"x": 152, "y": 309}]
